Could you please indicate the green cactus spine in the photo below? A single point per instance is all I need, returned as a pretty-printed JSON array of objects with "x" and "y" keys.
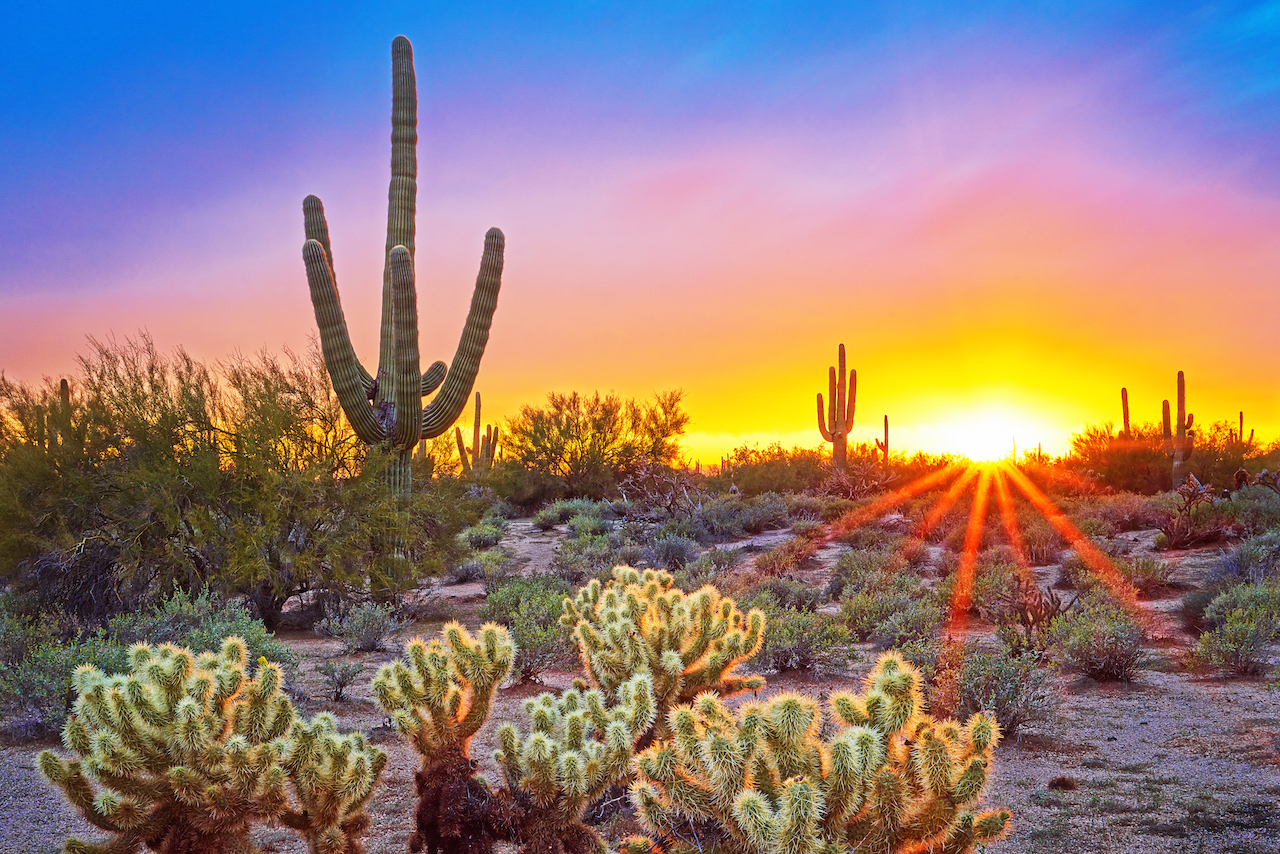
[
  {"x": 1179, "y": 439},
  {"x": 835, "y": 419},
  {"x": 483, "y": 450},
  {"x": 640, "y": 623},
  {"x": 765, "y": 781},
  {"x": 188, "y": 752},
  {"x": 577, "y": 748},
  {"x": 387, "y": 407}
]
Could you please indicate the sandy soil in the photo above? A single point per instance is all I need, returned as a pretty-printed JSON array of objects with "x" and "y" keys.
[{"x": 1173, "y": 762}]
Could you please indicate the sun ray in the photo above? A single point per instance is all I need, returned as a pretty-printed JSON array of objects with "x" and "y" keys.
[
  {"x": 962, "y": 594},
  {"x": 946, "y": 502},
  {"x": 1010, "y": 519},
  {"x": 1093, "y": 558},
  {"x": 855, "y": 518}
]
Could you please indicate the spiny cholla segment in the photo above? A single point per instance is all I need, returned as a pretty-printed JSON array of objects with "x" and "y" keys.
[
  {"x": 187, "y": 752},
  {"x": 767, "y": 782},
  {"x": 640, "y": 623}
]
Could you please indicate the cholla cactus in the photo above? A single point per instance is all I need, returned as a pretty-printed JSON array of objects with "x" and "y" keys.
[
  {"x": 577, "y": 749},
  {"x": 639, "y": 623},
  {"x": 438, "y": 698},
  {"x": 766, "y": 782},
  {"x": 188, "y": 752}
]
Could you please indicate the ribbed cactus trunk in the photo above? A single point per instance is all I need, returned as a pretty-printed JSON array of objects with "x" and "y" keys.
[
  {"x": 1124, "y": 408},
  {"x": 1179, "y": 439},
  {"x": 835, "y": 419},
  {"x": 386, "y": 408},
  {"x": 883, "y": 447}
]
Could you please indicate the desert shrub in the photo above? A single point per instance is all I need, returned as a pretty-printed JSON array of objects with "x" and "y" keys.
[
  {"x": 200, "y": 625},
  {"x": 864, "y": 613},
  {"x": 1126, "y": 511},
  {"x": 805, "y": 507},
  {"x": 1041, "y": 542},
  {"x": 1256, "y": 509},
  {"x": 797, "y": 640},
  {"x": 763, "y": 512},
  {"x": 487, "y": 566},
  {"x": 521, "y": 486},
  {"x": 587, "y": 525},
  {"x": 786, "y": 594},
  {"x": 786, "y": 556},
  {"x": 578, "y": 560},
  {"x": 338, "y": 676},
  {"x": 485, "y": 535},
  {"x": 1148, "y": 575},
  {"x": 1239, "y": 642},
  {"x": 589, "y": 444},
  {"x": 1099, "y": 638},
  {"x": 546, "y": 518},
  {"x": 1260, "y": 599},
  {"x": 721, "y": 517},
  {"x": 758, "y": 471},
  {"x": 808, "y": 529},
  {"x": 1016, "y": 689},
  {"x": 364, "y": 628},
  {"x": 1077, "y": 575},
  {"x": 871, "y": 572},
  {"x": 1250, "y": 562},
  {"x": 919, "y": 620},
  {"x": 530, "y": 608},
  {"x": 671, "y": 551},
  {"x": 706, "y": 569},
  {"x": 1135, "y": 464},
  {"x": 35, "y": 689}
]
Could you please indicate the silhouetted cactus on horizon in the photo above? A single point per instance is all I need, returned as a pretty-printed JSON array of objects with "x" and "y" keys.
[
  {"x": 1179, "y": 439},
  {"x": 835, "y": 419}
]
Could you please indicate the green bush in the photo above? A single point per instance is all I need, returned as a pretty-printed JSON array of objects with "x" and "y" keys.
[
  {"x": 485, "y": 535},
  {"x": 1239, "y": 644},
  {"x": 755, "y": 471},
  {"x": 530, "y": 608},
  {"x": 1099, "y": 638},
  {"x": 918, "y": 620},
  {"x": 364, "y": 628},
  {"x": 587, "y": 525},
  {"x": 1017, "y": 689},
  {"x": 706, "y": 569},
  {"x": 763, "y": 512},
  {"x": 671, "y": 552},
  {"x": 1148, "y": 575},
  {"x": 786, "y": 594},
  {"x": 797, "y": 640},
  {"x": 35, "y": 687},
  {"x": 338, "y": 676}
]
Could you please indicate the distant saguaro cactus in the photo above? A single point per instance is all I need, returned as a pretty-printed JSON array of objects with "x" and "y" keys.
[
  {"x": 387, "y": 407},
  {"x": 483, "y": 449},
  {"x": 835, "y": 419},
  {"x": 883, "y": 447},
  {"x": 1124, "y": 408},
  {"x": 1179, "y": 439}
]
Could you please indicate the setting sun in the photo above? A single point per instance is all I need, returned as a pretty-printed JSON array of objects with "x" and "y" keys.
[{"x": 984, "y": 434}]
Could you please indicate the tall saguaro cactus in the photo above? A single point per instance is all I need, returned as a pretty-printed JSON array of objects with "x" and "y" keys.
[
  {"x": 386, "y": 407},
  {"x": 1179, "y": 439},
  {"x": 1124, "y": 409},
  {"x": 836, "y": 418}
]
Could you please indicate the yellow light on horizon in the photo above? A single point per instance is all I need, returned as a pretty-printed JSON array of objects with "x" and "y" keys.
[{"x": 983, "y": 434}]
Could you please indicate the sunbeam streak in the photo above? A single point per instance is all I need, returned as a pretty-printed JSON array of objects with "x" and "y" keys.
[
  {"x": 946, "y": 502},
  {"x": 1010, "y": 519},
  {"x": 880, "y": 506},
  {"x": 962, "y": 595},
  {"x": 1088, "y": 552}
]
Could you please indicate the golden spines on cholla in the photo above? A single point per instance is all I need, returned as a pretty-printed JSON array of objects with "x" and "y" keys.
[
  {"x": 891, "y": 780},
  {"x": 439, "y": 695},
  {"x": 640, "y": 623},
  {"x": 577, "y": 748},
  {"x": 185, "y": 752}
]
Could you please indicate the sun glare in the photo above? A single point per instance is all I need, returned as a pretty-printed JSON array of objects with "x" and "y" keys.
[{"x": 983, "y": 435}]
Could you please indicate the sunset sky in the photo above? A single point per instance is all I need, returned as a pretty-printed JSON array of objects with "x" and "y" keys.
[{"x": 1005, "y": 213}]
